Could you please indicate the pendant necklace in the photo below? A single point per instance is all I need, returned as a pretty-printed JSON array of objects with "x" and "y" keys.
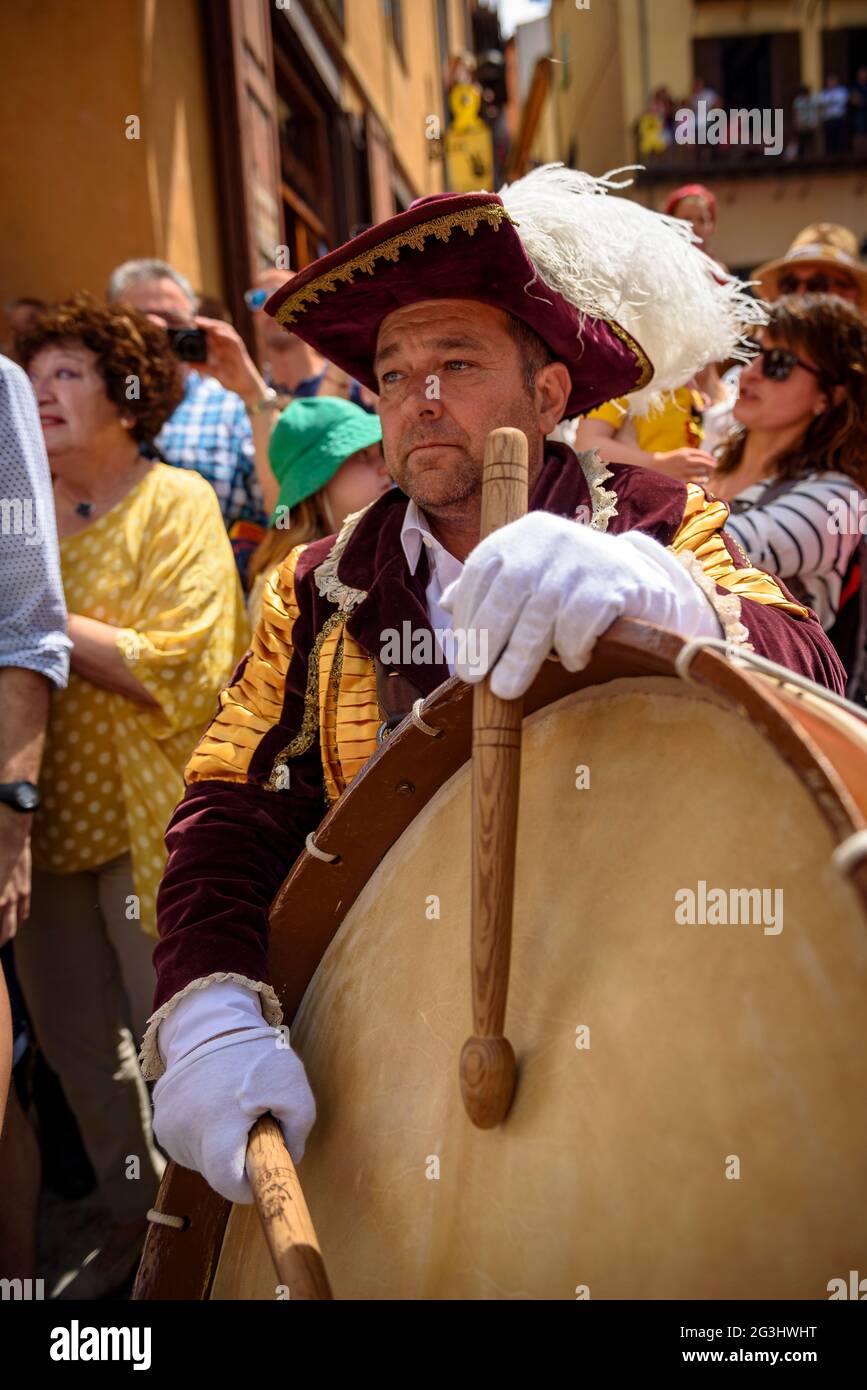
[{"x": 86, "y": 509}]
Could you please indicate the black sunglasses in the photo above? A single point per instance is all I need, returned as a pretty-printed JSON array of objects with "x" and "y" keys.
[
  {"x": 814, "y": 284},
  {"x": 778, "y": 364}
]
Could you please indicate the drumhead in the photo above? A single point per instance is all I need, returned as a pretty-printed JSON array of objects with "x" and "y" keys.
[{"x": 686, "y": 1006}]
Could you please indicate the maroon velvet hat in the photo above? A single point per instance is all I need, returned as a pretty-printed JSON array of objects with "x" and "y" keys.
[{"x": 451, "y": 246}]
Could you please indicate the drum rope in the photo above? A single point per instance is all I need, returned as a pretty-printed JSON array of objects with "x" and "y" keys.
[
  {"x": 312, "y": 848},
  {"x": 161, "y": 1218},
  {"x": 419, "y": 722},
  {"x": 691, "y": 649},
  {"x": 851, "y": 852}
]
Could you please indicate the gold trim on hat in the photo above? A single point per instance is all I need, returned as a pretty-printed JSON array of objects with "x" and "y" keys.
[
  {"x": 441, "y": 227},
  {"x": 637, "y": 351},
  {"x": 467, "y": 219}
]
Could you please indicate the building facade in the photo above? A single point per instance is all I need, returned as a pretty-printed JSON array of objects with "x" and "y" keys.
[
  {"x": 609, "y": 59},
  {"x": 221, "y": 135}
]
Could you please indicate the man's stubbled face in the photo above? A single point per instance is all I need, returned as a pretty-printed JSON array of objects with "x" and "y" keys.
[{"x": 449, "y": 372}]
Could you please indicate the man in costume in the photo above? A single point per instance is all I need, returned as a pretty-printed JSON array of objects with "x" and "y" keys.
[{"x": 465, "y": 313}]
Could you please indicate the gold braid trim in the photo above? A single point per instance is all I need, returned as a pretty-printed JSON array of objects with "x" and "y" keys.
[
  {"x": 333, "y": 775},
  {"x": 637, "y": 352},
  {"x": 310, "y": 723},
  {"x": 467, "y": 220}
]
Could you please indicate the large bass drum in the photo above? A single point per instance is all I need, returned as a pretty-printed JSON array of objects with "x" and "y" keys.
[{"x": 686, "y": 1002}]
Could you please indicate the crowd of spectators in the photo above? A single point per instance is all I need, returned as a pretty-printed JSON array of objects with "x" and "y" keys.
[
  {"x": 830, "y": 121},
  {"x": 170, "y": 471},
  {"x": 141, "y": 474}
]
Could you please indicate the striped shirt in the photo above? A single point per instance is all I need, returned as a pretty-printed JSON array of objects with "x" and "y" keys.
[{"x": 809, "y": 532}]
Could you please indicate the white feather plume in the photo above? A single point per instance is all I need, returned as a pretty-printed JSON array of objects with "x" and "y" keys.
[{"x": 614, "y": 259}]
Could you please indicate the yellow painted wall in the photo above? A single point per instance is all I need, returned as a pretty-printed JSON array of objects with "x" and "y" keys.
[
  {"x": 402, "y": 90},
  {"x": 672, "y": 25},
  {"x": 78, "y": 196},
  {"x": 180, "y": 138},
  {"x": 544, "y": 148},
  {"x": 416, "y": 94},
  {"x": 758, "y": 218},
  {"x": 366, "y": 50},
  {"x": 590, "y": 108},
  {"x": 458, "y": 33}
]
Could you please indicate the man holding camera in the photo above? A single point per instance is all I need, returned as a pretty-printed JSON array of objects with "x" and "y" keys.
[{"x": 222, "y": 427}]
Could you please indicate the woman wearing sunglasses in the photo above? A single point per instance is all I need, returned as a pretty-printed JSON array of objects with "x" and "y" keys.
[{"x": 795, "y": 473}]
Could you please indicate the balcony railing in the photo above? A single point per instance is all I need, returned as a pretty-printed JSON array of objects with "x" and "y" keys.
[{"x": 786, "y": 154}]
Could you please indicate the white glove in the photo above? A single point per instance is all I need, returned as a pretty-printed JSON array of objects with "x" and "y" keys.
[
  {"x": 211, "y": 1096},
  {"x": 545, "y": 583}
]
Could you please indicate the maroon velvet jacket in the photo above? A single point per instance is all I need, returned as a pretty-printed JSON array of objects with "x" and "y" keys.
[{"x": 231, "y": 843}]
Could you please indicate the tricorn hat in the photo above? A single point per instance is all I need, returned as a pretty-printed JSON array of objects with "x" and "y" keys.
[{"x": 622, "y": 295}]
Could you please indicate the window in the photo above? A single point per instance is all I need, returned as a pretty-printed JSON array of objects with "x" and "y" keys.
[
  {"x": 393, "y": 12},
  {"x": 443, "y": 29},
  {"x": 305, "y": 153},
  {"x": 844, "y": 51},
  {"x": 751, "y": 70}
]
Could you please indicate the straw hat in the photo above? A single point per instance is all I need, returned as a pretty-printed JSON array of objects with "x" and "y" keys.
[{"x": 821, "y": 247}]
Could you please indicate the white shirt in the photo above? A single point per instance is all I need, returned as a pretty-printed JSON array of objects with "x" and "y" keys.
[
  {"x": 415, "y": 533},
  {"x": 835, "y": 101},
  {"x": 718, "y": 420}
]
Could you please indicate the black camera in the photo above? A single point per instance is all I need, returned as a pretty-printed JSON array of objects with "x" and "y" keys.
[{"x": 189, "y": 344}]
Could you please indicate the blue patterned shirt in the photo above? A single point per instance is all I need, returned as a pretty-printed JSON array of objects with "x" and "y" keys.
[
  {"x": 32, "y": 608},
  {"x": 210, "y": 432}
]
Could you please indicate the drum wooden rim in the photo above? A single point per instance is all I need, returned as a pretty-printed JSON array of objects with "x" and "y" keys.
[{"x": 389, "y": 793}]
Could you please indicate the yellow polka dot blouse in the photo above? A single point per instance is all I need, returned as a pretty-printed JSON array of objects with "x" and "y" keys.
[{"x": 159, "y": 568}]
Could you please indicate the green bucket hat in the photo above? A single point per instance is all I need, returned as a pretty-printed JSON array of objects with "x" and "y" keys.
[{"x": 312, "y": 438}]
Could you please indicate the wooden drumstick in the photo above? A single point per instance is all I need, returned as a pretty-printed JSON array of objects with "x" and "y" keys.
[
  {"x": 285, "y": 1219},
  {"x": 487, "y": 1061}
]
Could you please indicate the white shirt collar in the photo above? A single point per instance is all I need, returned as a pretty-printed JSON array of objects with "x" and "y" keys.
[
  {"x": 443, "y": 568},
  {"x": 414, "y": 533}
]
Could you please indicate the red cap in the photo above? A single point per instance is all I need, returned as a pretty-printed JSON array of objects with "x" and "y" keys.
[{"x": 691, "y": 190}]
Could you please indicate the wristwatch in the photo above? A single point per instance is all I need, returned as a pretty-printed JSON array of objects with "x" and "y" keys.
[
  {"x": 21, "y": 796},
  {"x": 271, "y": 401}
]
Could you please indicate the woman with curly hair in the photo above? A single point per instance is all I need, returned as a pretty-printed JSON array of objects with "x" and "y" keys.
[
  {"x": 157, "y": 625},
  {"x": 795, "y": 474}
]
